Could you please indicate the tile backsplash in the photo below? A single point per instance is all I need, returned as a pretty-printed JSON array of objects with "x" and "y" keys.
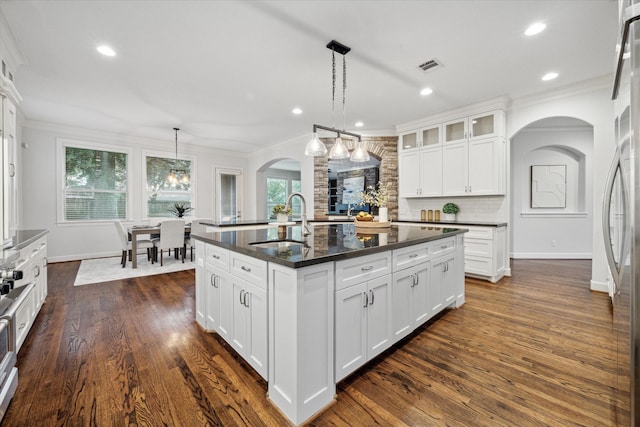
[{"x": 489, "y": 208}]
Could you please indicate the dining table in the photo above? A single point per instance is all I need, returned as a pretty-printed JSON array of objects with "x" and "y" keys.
[{"x": 135, "y": 230}]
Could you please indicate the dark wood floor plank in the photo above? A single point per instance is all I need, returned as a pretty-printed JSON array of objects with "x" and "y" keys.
[{"x": 533, "y": 349}]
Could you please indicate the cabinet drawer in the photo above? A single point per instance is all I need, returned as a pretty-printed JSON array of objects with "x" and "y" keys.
[
  {"x": 479, "y": 233},
  {"x": 478, "y": 247},
  {"x": 24, "y": 316},
  {"x": 357, "y": 270},
  {"x": 441, "y": 247},
  {"x": 410, "y": 256},
  {"x": 478, "y": 265},
  {"x": 217, "y": 256},
  {"x": 248, "y": 268}
]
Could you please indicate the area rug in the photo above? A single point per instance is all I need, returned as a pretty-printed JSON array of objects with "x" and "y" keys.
[{"x": 106, "y": 269}]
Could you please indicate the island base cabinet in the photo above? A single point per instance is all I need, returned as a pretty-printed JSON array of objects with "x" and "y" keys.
[
  {"x": 363, "y": 324},
  {"x": 249, "y": 332},
  {"x": 410, "y": 299},
  {"x": 301, "y": 331}
]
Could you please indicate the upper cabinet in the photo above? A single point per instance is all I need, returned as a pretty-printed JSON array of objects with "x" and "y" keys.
[{"x": 464, "y": 156}]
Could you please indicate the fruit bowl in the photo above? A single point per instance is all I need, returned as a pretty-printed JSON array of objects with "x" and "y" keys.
[{"x": 364, "y": 218}]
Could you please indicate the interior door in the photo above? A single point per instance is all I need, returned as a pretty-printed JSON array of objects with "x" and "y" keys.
[{"x": 228, "y": 194}]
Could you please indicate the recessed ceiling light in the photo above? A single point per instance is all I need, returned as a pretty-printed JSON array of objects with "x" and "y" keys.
[
  {"x": 359, "y": 124},
  {"x": 549, "y": 76},
  {"x": 106, "y": 50},
  {"x": 426, "y": 91},
  {"x": 296, "y": 111},
  {"x": 535, "y": 28}
]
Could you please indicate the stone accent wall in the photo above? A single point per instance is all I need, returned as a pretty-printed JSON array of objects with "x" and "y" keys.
[{"x": 384, "y": 148}]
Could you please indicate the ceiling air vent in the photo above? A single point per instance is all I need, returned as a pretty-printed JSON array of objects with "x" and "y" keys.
[{"x": 429, "y": 65}]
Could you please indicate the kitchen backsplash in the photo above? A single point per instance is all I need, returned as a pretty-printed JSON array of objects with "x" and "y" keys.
[{"x": 490, "y": 208}]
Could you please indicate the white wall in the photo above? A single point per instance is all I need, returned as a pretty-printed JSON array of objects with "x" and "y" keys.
[
  {"x": 553, "y": 232},
  {"x": 590, "y": 102},
  {"x": 37, "y": 176}
]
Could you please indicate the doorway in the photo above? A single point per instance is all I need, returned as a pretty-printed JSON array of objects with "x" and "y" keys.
[{"x": 228, "y": 200}]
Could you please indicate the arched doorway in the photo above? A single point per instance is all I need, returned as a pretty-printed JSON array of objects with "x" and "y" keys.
[
  {"x": 552, "y": 156},
  {"x": 275, "y": 180}
]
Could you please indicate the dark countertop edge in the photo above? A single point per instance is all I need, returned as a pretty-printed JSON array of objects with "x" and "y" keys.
[
  {"x": 447, "y": 223},
  {"x": 236, "y": 223},
  {"x": 326, "y": 258}
]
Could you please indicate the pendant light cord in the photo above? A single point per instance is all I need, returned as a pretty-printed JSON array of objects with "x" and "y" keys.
[
  {"x": 333, "y": 88},
  {"x": 344, "y": 91}
]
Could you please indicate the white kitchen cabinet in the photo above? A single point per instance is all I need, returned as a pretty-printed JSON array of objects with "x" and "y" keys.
[
  {"x": 485, "y": 252},
  {"x": 233, "y": 306},
  {"x": 32, "y": 261},
  {"x": 442, "y": 283},
  {"x": 420, "y": 172},
  {"x": 410, "y": 299},
  {"x": 249, "y": 329},
  {"x": 466, "y": 158},
  {"x": 409, "y": 141},
  {"x": 363, "y": 323},
  {"x": 8, "y": 128}
]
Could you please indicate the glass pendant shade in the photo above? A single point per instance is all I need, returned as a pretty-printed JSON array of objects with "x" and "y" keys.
[
  {"x": 360, "y": 154},
  {"x": 315, "y": 147},
  {"x": 338, "y": 151},
  {"x": 172, "y": 178}
]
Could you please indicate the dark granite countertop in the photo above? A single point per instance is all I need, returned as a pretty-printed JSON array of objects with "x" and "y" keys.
[
  {"x": 236, "y": 222},
  {"x": 456, "y": 223},
  {"x": 328, "y": 242}
]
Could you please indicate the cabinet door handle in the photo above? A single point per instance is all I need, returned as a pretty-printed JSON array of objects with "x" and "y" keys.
[
  {"x": 413, "y": 280},
  {"x": 241, "y": 295},
  {"x": 469, "y": 189},
  {"x": 213, "y": 280},
  {"x": 22, "y": 325},
  {"x": 367, "y": 268},
  {"x": 245, "y": 302},
  {"x": 366, "y": 299},
  {"x": 417, "y": 279},
  {"x": 372, "y": 297},
  {"x": 443, "y": 247},
  {"x": 216, "y": 256},
  {"x": 413, "y": 255},
  {"x": 12, "y": 170},
  {"x": 247, "y": 269}
]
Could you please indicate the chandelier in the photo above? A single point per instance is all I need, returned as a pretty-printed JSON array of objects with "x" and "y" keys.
[
  {"x": 177, "y": 175},
  {"x": 315, "y": 147}
]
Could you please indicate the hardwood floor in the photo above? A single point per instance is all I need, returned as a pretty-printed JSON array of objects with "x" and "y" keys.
[{"x": 534, "y": 349}]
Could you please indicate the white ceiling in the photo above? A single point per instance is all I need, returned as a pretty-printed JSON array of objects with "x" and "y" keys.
[{"x": 230, "y": 72}]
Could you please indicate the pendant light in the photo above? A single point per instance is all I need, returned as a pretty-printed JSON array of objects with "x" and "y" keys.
[
  {"x": 360, "y": 154},
  {"x": 315, "y": 147},
  {"x": 177, "y": 175}
]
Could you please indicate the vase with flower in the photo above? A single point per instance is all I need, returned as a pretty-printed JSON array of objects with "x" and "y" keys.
[{"x": 377, "y": 196}]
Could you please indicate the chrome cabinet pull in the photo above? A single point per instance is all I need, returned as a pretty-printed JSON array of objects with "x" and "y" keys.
[
  {"x": 216, "y": 256},
  {"x": 241, "y": 295},
  {"x": 413, "y": 255},
  {"x": 245, "y": 302},
  {"x": 368, "y": 268},
  {"x": 417, "y": 279},
  {"x": 366, "y": 299},
  {"x": 247, "y": 269},
  {"x": 372, "y": 297},
  {"x": 22, "y": 325}
]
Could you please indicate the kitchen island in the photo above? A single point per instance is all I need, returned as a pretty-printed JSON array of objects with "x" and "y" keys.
[{"x": 306, "y": 311}]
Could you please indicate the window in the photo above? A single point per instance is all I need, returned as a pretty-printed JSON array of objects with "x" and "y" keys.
[
  {"x": 162, "y": 196},
  {"x": 278, "y": 189},
  {"x": 95, "y": 184}
]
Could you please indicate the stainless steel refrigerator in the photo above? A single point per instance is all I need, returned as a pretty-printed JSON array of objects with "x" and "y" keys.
[{"x": 621, "y": 218}]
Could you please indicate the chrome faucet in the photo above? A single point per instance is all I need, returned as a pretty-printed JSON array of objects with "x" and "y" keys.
[
  {"x": 349, "y": 210},
  {"x": 305, "y": 229}
]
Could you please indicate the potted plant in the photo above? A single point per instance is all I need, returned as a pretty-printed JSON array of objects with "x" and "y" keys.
[
  {"x": 450, "y": 210},
  {"x": 281, "y": 214},
  {"x": 179, "y": 209}
]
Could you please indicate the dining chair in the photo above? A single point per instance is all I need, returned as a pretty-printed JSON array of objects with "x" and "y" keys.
[
  {"x": 126, "y": 244},
  {"x": 196, "y": 227},
  {"x": 171, "y": 237}
]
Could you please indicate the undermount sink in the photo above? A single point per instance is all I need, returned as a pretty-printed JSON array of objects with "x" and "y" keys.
[{"x": 282, "y": 243}]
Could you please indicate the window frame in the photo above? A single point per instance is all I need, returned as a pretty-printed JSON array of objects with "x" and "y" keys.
[
  {"x": 61, "y": 146},
  {"x": 143, "y": 181}
]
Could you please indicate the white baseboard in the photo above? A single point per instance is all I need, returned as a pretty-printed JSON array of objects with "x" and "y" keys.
[{"x": 600, "y": 287}]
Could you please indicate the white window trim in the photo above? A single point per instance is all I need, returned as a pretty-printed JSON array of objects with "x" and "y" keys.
[
  {"x": 61, "y": 144},
  {"x": 143, "y": 179}
]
